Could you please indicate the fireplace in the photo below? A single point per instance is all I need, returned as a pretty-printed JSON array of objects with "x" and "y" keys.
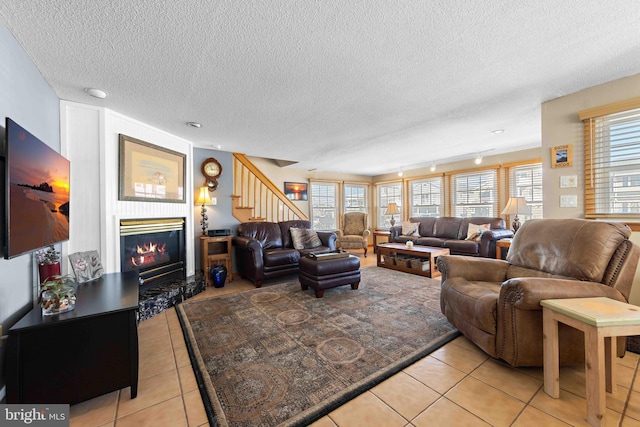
[{"x": 155, "y": 248}]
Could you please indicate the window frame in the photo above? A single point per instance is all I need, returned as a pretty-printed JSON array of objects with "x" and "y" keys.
[{"x": 591, "y": 170}]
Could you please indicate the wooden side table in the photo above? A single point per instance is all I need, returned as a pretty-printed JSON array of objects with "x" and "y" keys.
[
  {"x": 216, "y": 250},
  {"x": 500, "y": 244},
  {"x": 601, "y": 319},
  {"x": 379, "y": 233}
]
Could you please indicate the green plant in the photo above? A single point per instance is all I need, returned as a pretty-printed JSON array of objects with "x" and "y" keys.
[{"x": 56, "y": 292}]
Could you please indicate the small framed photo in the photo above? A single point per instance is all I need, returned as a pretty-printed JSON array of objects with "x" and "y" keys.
[
  {"x": 296, "y": 191},
  {"x": 569, "y": 181},
  {"x": 569, "y": 201},
  {"x": 562, "y": 156}
]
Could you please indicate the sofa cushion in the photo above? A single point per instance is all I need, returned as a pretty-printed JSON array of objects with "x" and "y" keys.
[
  {"x": 430, "y": 241},
  {"x": 281, "y": 257},
  {"x": 475, "y": 302},
  {"x": 447, "y": 227},
  {"x": 585, "y": 256},
  {"x": 304, "y": 238},
  {"x": 267, "y": 233},
  {"x": 462, "y": 247},
  {"x": 354, "y": 224}
]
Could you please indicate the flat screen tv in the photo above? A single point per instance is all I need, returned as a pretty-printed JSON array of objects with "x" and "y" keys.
[{"x": 36, "y": 199}]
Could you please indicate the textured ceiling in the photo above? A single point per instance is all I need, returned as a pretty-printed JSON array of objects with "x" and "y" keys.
[{"x": 356, "y": 86}]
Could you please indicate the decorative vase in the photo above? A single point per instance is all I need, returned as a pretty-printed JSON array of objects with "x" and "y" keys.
[
  {"x": 48, "y": 270},
  {"x": 218, "y": 274},
  {"x": 58, "y": 300},
  {"x": 409, "y": 244}
]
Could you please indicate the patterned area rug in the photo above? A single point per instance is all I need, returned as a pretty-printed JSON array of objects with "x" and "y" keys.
[{"x": 278, "y": 355}]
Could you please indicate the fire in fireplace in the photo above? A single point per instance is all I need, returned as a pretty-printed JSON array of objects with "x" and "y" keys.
[{"x": 153, "y": 247}]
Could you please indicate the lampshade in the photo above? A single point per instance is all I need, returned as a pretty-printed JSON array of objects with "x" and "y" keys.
[
  {"x": 203, "y": 196},
  {"x": 515, "y": 206},
  {"x": 392, "y": 209}
]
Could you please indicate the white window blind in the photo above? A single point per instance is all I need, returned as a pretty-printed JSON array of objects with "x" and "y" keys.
[
  {"x": 355, "y": 198},
  {"x": 425, "y": 197},
  {"x": 324, "y": 208},
  {"x": 475, "y": 193},
  {"x": 612, "y": 164},
  {"x": 526, "y": 181},
  {"x": 389, "y": 193}
]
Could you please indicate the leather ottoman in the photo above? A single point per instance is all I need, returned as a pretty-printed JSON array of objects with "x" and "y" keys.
[{"x": 320, "y": 274}]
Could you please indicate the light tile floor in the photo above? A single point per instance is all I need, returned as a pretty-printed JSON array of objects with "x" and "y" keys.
[{"x": 456, "y": 385}]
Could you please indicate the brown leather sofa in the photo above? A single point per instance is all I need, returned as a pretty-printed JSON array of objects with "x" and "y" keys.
[
  {"x": 264, "y": 250},
  {"x": 496, "y": 303},
  {"x": 451, "y": 233}
]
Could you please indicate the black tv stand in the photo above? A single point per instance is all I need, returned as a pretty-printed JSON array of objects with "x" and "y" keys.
[{"x": 81, "y": 354}]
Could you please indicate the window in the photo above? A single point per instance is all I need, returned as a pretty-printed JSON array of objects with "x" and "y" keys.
[
  {"x": 324, "y": 208},
  {"x": 355, "y": 198},
  {"x": 425, "y": 197},
  {"x": 612, "y": 161},
  {"x": 474, "y": 193},
  {"x": 389, "y": 193},
  {"x": 526, "y": 181}
]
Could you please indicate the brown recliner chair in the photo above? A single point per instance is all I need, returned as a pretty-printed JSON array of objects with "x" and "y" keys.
[{"x": 496, "y": 303}]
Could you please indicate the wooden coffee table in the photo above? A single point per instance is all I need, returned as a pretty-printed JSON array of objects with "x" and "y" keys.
[{"x": 422, "y": 252}]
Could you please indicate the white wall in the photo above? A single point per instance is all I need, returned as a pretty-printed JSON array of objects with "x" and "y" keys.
[{"x": 91, "y": 137}]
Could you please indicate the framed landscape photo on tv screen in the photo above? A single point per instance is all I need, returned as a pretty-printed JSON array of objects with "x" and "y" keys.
[{"x": 36, "y": 210}]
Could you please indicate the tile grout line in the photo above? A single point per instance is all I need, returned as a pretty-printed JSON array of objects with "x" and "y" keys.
[{"x": 626, "y": 402}]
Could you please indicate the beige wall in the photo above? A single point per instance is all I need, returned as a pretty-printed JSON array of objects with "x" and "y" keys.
[{"x": 560, "y": 126}]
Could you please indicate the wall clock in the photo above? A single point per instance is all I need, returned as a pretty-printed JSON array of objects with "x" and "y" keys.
[{"x": 211, "y": 169}]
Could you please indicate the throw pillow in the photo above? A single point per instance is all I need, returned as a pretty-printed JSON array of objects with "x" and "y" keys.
[
  {"x": 410, "y": 228},
  {"x": 304, "y": 238},
  {"x": 474, "y": 232}
]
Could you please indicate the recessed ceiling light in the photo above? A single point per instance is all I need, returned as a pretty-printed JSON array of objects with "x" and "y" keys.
[
  {"x": 497, "y": 131},
  {"x": 194, "y": 124},
  {"x": 96, "y": 93}
]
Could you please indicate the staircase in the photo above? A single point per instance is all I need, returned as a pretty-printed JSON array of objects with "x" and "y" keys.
[{"x": 256, "y": 198}]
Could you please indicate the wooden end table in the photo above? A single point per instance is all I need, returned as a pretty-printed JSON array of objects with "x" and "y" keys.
[
  {"x": 379, "y": 233},
  {"x": 601, "y": 319},
  {"x": 502, "y": 244}
]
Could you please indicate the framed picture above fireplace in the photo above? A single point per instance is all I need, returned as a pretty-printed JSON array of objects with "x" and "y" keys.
[{"x": 150, "y": 173}]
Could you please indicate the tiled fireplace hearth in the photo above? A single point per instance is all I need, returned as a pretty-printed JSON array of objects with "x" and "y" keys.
[{"x": 155, "y": 248}]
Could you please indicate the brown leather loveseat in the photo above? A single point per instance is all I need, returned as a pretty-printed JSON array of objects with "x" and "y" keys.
[
  {"x": 452, "y": 232},
  {"x": 496, "y": 303},
  {"x": 265, "y": 250}
]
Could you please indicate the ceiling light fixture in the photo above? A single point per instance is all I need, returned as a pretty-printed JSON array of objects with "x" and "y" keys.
[
  {"x": 497, "y": 131},
  {"x": 433, "y": 167},
  {"x": 194, "y": 125},
  {"x": 400, "y": 173},
  {"x": 478, "y": 160},
  {"x": 96, "y": 93}
]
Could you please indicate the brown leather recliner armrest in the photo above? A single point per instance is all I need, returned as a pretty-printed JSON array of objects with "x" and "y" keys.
[
  {"x": 525, "y": 293},
  {"x": 472, "y": 268}
]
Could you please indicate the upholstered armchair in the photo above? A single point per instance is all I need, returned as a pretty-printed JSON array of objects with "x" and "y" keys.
[
  {"x": 355, "y": 232},
  {"x": 496, "y": 303}
]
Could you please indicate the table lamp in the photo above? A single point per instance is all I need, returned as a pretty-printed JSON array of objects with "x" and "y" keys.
[
  {"x": 515, "y": 206},
  {"x": 392, "y": 209}
]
